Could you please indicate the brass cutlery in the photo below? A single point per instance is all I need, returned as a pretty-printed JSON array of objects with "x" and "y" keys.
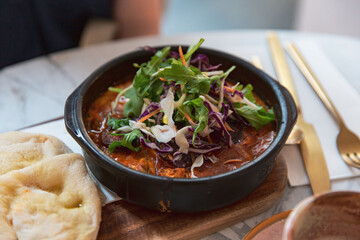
[
  {"x": 347, "y": 142},
  {"x": 310, "y": 147}
]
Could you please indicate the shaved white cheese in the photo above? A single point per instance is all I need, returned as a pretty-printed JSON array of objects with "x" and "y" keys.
[
  {"x": 213, "y": 159},
  {"x": 213, "y": 73},
  {"x": 167, "y": 105},
  {"x": 181, "y": 140},
  {"x": 206, "y": 131},
  {"x": 247, "y": 102},
  {"x": 197, "y": 163},
  {"x": 141, "y": 126},
  {"x": 163, "y": 133},
  {"x": 238, "y": 98},
  {"x": 124, "y": 129}
]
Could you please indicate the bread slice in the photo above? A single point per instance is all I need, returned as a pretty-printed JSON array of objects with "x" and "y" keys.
[
  {"x": 20, "y": 149},
  {"x": 52, "y": 199}
]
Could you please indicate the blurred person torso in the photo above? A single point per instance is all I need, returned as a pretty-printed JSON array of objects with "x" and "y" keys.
[{"x": 30, "y": 28}]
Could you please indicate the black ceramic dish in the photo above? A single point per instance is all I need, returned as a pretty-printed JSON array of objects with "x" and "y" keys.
[{"x": 178, "y": 194}]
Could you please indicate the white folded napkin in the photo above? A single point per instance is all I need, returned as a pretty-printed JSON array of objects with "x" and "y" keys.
[{"x": 345, "y": 98}]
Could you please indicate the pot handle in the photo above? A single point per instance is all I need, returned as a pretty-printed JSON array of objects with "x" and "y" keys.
[
  {"x": 70, "y": 114},
  {"x": 291, "y": 107}
]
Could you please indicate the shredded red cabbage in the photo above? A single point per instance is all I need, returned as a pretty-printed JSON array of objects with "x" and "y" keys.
[
  {"x": 173, "y": 54},
  {"x": 237, "y": 116},
  {"x": 166, "y": 147},
  {"x": 150, "y": 108},
  {"x": 206, "y": 150},
  {"x": 226, "y": 111},
  {"x": 236, "y": 92},
  {"x": 203, "y": 64}
]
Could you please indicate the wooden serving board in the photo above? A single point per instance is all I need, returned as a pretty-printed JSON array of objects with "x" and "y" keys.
[{"x": 122, "y": 220}]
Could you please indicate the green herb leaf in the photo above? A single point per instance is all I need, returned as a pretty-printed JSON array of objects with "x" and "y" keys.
[
  {"x": 193, "y": 49},
  {"x": 115, "y": 123},
  {"x": 127, "y": 141},
  {"x": 247, "y": 91},
  {"x": 133, "y": 107},
  {"x": 176, "y": 72},
  {"x": 199, "y": 85},
  {"x": 143, "y": 78},
  {"x": 142, "y": 81},
  {"x": 256, "y": 117},
  {"x": 192, "y": 78},
  {"x": 201, "y": 115},
  {"x": 155, "y": 91},
  {"x": 224, "y": 75}
]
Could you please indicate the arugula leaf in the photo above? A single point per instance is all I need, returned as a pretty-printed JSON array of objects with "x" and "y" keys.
[
  {"x": 143, "y": 78},
  {"x": 167, "y": 63},
  {"x": 127, "y": 141},
  {"x": 176, "y": 72},
  {"x": 199, "y": 85},
  {"x": 155, "y": 91},
  {"x": 133, "y": 107},
  {"x": 115, "y": 123},
  {"x": 142, "y": 81},
  {"x": 247, "y": 91},
  {"x": 193, "y": 49},
  {"x": 178, "y": 116},
  {"x": 192, "y": 78},
  {"x": 157, "y": 59},
  {"x": 224, "y": 75},
  {"x": 256, "y": 117},
  {"x": 201, "y": 115}
]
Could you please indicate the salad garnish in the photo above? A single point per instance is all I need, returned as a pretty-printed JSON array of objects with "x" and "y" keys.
[{"x": 178, "y": 102}]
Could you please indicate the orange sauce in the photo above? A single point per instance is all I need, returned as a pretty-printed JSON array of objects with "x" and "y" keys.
[{"x": 252, "y": 143}]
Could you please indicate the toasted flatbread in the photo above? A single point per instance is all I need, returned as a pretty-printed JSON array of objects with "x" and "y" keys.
[
  {"x": 20, "y": 149},
  {"x": 52, "y": 199}
]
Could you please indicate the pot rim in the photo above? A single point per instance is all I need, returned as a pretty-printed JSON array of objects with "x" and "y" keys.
[{"x": 81, "y": 136}]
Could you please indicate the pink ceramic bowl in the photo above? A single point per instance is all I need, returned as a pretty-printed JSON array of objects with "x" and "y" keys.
[{"x": 332, "y": 215}]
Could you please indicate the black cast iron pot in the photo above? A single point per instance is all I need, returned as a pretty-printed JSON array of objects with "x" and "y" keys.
[{"x": 178, "y": 194}]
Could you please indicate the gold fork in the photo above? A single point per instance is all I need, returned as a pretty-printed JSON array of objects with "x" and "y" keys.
[{"x": 347, "y": 142}]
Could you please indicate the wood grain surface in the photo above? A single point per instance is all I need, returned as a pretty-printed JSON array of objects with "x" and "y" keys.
[{"x": 122, "y": 220}]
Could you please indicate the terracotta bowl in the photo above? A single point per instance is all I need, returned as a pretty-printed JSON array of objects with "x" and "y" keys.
[
  {"x": 332, "y": 215},
  {"x": 269, "y": 229}
]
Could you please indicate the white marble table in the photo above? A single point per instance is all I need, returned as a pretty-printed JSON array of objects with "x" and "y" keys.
[{"x": 36, "y": 90}]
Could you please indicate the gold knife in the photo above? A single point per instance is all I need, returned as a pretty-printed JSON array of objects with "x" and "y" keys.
[{"x": 310, "y": 147}]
